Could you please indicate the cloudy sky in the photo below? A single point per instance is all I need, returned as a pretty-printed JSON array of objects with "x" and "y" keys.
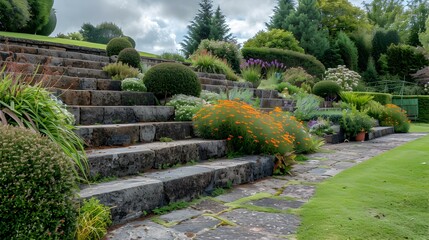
[{"x": 159, "y": 26}]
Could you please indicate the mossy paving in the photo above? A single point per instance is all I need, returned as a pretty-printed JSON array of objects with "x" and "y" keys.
[{"x": 266, "y": 209}]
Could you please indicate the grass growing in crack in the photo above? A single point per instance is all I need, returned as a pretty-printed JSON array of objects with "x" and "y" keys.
[
  {"x": 301, "y": 158},
  {"x": 385, "y": 197},
  {"x": 171, "y": 207},
  {"x": 223, "y": 221},
  {"x": 165, "y": 139}
]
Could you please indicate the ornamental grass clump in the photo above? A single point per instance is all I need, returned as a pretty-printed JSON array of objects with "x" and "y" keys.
[
  {"x": 93, "y": 221},
  {"x": 35, "y": 108},
  {"x": 396, "y": 117},
  {"x": 246, "y": 129}
]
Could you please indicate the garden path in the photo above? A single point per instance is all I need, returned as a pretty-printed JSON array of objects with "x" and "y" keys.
[{"x": 266, "y": 209}]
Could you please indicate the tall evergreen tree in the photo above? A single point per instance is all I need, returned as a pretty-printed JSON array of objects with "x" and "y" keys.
[
  {"x": 199, "y": 29},
  {"x": 283, "y": 9},
  {"x": 219, "y": 29},
  {"x": 305, "y": 24}
]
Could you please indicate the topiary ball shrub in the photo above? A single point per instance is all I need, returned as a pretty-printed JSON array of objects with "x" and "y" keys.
[
  {"x": 131, "y": 40},
  {"x": 37, "y": 187},
  {"x": 130, "y": 56},
  {"x": 116, "y": 45},
  {"x": 327, "y": 89},
  {"x": 168, "y": 79}
]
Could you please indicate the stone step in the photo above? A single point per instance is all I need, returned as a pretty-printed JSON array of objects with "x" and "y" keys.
[
  {"x": 130, "y": 198},
  {"x": 135, "y": 159},
  {"x": 73, "y": 83},
  {"x": 92, "y": 115},
  {"x": 28, "y": 68},
  {"x": 377, "y": 132},
  {"x": 51, "y": 61},
  {"x": 85, "y": 53},
  {"x": 210, "y": 81},
  {"x": 104, "y": 98},
  {"x": 128, "y": 134},
  {"x": 271, "y": 102},
  {"x": 260, "y": 93},
  {"x": 211, "y": 75}
]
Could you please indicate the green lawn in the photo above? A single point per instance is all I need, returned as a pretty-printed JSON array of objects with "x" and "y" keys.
[
  {"x": 419, "y": 127},
  {"x": 63, "y": 41},
  {"x": 386, "y": 197}
]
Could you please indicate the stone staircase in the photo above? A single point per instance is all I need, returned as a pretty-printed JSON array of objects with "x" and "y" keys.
[{"x": 136, "y": 171}]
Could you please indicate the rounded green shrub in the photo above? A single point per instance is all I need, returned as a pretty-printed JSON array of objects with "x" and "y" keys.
[
  {"x": 131, "y": 40},
  {"x": 223, "y": 50},
  {"x": 133, "y": 84},
  {"x": 37, "y": 187},
  {"x": 130, "y": 56},
  {"x": 396, "y": 117},
  {"x": 116, "y": 45},
  {"x": 326, "y": 89},
  {"x": 167, "y": 79}
]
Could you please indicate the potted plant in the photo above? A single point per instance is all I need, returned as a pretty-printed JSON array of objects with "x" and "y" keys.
[{"x": 356, "y": 124}]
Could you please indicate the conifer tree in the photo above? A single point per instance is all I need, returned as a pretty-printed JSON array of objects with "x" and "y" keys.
[
  {"x": 283, "y": 9},
  {"x": 219, "y": 29},
  {"x": 199, "y": 29}
]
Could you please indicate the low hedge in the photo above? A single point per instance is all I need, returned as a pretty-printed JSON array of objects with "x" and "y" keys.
[
  {"x": 287, "y": 57},
  {"x": 383, "y": 98},
  {"x": 423, "y": 106},
  {"x": 333, "y": 116}
]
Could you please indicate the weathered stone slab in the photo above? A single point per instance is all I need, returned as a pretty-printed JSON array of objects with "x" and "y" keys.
[
  {"x": 170, "y": 154},
  {"x": 193, "y": 226},
  {"x": 237, "y": 233},
  {"x": 210, "y": 206},
  {"x": 230, "y": 172},
  {"x": 180, "y": 215},
  {"x": 262, "y": 165},
  {"x": 145, "y": 230},
  {"x": 128, "y": 198},
  {"x": 276, "y": 203}
]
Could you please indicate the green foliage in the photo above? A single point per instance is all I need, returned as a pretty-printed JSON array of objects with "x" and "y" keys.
[
  {"x": 93, "y": 221},
  {"x": 120, "y": 71},
  {"x": 133, "y": 84},
  {"x": 332, "y": 57},
  {"x": 423, "y": 106},
  {"x": 210, "y": 97},
  {"x": 383, "y": 98},
  {"x": 375, "y": 110},
  {"x": 72, "y": 36},
  {"x": 38, "y": 187},
  {"x": 348, "y": 51},
  {"x": 327, "y": 89},
  {"x": 102, "y": 33},
  {"x": 185, "y": 106},
  {"x": 396, "y": 117},
  {"x": 282, "y": 10},
  {"x": 404, "y": 60},
  {"x": 286, "y": 87},
  {"x": 419, "y": 12},
  {"x": 165, "y": 139},
  {"x": 116, "y": 45},
  {"x": 205, "y": 62},
  {"x": 358, "y": 101},
  {"x": 131, "y": 40},
  {"x": 381, "y": 41},
  {"x": 333, "y": 116},
  {"x": 240, "y": 94},
  {"x": 383, "y": 13},
  {"x": 50, "y": 26},
  {"x": 223, "y": 50},
  {"x": 219, "y": 29},
  {"x": 275, "y": 38},
  {"x": 297, "y": 76},
  {"x": 287, "y": 57},
  {"x": 251, "y": 75},
  {"x": 168, "y": 79},
  {"x": 362, "y": 41},
  {"x": 40, "y": 11},
  {"x": 305, "y": 24},
  {"x": 354, "y": 122},
  {"x": 173, "y": 56},
  {"x": 370, "y": 75},
  {"x": 320, "y": 127},
  {"x": 35, "y": 108},
  {"x": 306, "y": 105},
  {"x": 130, "y": 56},
  {"x": 424, "y": 36},
  {"x": 13, "y": 15}
]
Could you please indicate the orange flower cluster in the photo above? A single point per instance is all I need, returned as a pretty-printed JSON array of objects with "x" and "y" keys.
[
  {"x": 248, "y": 130},
  {"x": 396, "y": 117}
]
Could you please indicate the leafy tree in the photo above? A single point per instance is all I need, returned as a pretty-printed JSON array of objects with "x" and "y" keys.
[
  {"x": 341, "y": 15},
  {"x": 424, "y": 36},
  {"x": 381, "y": 41},
  {"x": 199, "y": 29},
  {"x": 348, "y": 51},
  {"x": 101, "y": 33},
  {"x": 14, "y": 15},
  {"x": 420, "y": 12},
  {"x": 40, "y": 11},
  {"x": 219, "y": 29},
  {"x": 306, "y": 27},
  {"x": 275, "y": 38},
  {"x": 50, "y": 27},
  {"x": 332, "y": 57},
  {"x": 283, "y": 10},
  {"x": 403, "y": 60},
  {"x": 383, "y": 13},
  {"x": 362, "y": 41}
]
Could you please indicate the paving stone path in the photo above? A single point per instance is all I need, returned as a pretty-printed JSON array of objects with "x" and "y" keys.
[{"x": 266, "y": 209}]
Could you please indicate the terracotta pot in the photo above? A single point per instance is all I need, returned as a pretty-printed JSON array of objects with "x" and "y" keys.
[{"x": 360, "y": 137}]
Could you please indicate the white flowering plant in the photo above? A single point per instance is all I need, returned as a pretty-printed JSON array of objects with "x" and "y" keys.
[{"x": 346, "y": 78}]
